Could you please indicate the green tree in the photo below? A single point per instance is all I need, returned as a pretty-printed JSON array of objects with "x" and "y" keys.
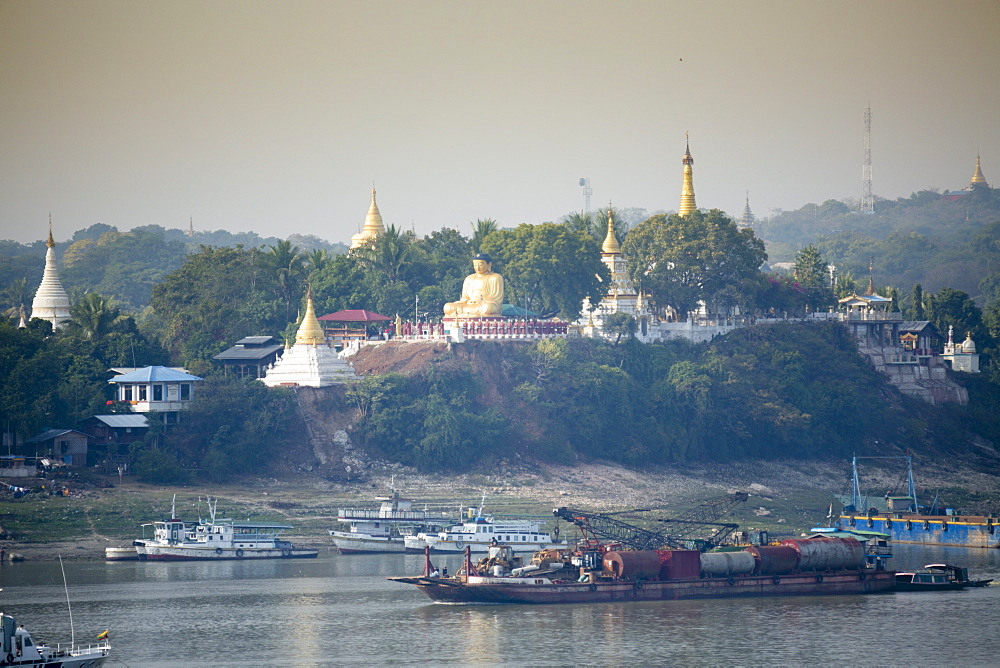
[
  {"x": 481, "y": 229},
  {"x": 954, "y": 308},
  {"x": 215, "y": 298},
  {"x": 620, "y": 325},
  {"x": 94, "y": 316},
  {"x": 317, "y": 260},
  {"x": 285, "y": 265},
  {"x": 681, "y": 260},
  {"x": 811, "y": 272},
  {"x": 917, "y": 303},
  {"x": 549, "y": 267}
]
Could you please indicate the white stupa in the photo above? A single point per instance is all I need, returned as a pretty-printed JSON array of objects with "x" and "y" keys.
[
  {"x": 51, "y": 302},
  {"x": 310, "y": 362}
]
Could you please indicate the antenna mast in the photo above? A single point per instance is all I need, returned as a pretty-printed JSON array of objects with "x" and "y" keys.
[
  {"x": 867, "y": 200},
  {"x": 587, "y": 192}
]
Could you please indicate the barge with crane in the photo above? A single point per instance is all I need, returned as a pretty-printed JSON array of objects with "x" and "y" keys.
[{"x": 623, "y": 561}]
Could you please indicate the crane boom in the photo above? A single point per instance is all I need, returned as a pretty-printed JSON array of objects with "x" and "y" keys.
[{"x": 672, "y": 532}]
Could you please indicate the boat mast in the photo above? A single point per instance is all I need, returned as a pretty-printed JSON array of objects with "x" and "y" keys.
[
  {"x": 72, "y": 630},
  {"x": 911, "y": 489},
  {"x": 856, "y": 486}
]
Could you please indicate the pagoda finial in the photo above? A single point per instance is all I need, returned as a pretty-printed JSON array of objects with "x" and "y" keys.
[
  {"x": 977, "y": 177},
  {"x": 310, "y": 332},
  {"x": 51, "y": 242},
  {"x": 610, "y": 244},
  {"x": 687, "y": 188},
  {"x": 871, "y": 275}
]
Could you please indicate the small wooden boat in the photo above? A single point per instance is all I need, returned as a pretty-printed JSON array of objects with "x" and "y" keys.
[{"x": 928, "y": 579}]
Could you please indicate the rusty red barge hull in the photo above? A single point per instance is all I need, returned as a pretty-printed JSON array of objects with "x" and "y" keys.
[{"x": 742, "y": 586}]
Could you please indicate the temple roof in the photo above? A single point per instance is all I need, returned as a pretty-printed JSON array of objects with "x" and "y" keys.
[
  {"x": 354, "y": 315},
  {"x": 154, "y": 374},
  {"x": 249, "y": 352}
]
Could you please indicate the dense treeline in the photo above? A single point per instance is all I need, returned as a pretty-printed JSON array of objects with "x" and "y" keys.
[{"x": 768, "y": 391}]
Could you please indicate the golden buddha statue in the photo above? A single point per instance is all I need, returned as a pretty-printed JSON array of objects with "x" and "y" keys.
[{"x": 482, "y": 292}]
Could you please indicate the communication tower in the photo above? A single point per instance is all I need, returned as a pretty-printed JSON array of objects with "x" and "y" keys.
[
  {"x": 587, "y": 192},
  {"x": 867, "y": 199}
]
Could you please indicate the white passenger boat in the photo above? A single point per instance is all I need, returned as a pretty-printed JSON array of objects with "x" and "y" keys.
[
  {"x": 215, "y": 538},
  {"x": 481, "y": 531},
  {"x": 384, "y": 529},
  {"x": 20, "y": 649}
]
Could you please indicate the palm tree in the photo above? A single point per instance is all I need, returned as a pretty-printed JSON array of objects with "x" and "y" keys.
[
  {"x": 284, "y": 261},
  {"x": 94, "y": 316},
  {"x": 481, "y": 229},
  {"x": 388, "y": 253},
  {"x": 581, "y": 222},
  {"x": 317, "y": 259}
]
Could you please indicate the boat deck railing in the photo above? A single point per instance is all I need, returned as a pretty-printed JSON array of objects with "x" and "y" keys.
[{"x": 352, "y": 514}]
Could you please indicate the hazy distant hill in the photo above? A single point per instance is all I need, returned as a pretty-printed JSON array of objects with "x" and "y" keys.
[{"x": 936, "y": 239}]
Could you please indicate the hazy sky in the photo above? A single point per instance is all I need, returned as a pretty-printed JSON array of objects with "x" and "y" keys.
[{"x": 277, "y": 117}]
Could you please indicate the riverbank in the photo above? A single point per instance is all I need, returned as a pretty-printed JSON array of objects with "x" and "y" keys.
[{"x": 786, "y": 498}]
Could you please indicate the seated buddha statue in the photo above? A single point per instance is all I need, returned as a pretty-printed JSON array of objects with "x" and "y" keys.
[{"x": 482, "y": 292}]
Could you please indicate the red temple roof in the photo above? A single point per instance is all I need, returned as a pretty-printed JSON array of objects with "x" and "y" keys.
[{"x": 354, "y": 315}]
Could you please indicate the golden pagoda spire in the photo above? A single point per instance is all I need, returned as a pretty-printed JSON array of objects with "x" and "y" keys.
[
  {"x": 373, "y": 221},
  {"x": 977, "y": 177},
  {"x": 687, "y": 189},
  {"x": 871, "y": 276},
  {"x": 51, "y": 242},
  {"x": 611, "y": 245},
  {"x": 310, "y": 333}
]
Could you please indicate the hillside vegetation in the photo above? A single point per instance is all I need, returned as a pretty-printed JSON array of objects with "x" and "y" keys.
[{"x": 783, "y": 391}]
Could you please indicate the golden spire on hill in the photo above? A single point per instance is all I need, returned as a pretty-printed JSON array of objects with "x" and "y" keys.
[
  {"x": 611, "y": 241},
  {"x": 687, "y": 189},
  {"x": 871, "y": 276},
  {"x": 310, "y": 333},
  {"x": 373, "y": 227},
  {"x": 977, "y": 177}
]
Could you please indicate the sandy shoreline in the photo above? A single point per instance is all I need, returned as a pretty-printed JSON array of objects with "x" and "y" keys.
[{"x": 799, "y": 490}]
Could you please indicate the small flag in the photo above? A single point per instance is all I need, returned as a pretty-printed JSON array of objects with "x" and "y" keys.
[
  {"x": 829, "y": 513},
  {"x": 103, "y": 634}
]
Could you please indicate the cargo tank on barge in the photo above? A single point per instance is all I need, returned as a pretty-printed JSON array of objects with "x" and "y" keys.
[{"x": 797, "y": 567}]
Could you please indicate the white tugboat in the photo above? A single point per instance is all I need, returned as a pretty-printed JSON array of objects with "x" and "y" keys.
[
  {"x": 481, "y": 532},
  {"x": 216, "y": 538},
  {"x": 384, "y": 529}
]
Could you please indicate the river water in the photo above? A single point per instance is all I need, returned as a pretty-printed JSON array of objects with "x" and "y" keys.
[{"x": 340, "y": 610}]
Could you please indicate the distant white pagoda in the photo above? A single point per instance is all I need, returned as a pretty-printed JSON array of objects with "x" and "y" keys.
[
  {"x": 311, "y": 361},
  {"x": 51, "y": 302}
]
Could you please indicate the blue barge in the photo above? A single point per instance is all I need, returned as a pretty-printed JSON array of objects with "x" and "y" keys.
[{"x": 907, "y": 522}]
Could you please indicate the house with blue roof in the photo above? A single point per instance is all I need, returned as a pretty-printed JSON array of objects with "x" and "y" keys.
[{"x": 156, "y": 389}]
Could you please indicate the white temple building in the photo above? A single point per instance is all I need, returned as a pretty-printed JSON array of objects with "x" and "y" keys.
[
  {"x": 962, "y": 356},
  {"x": 51, "y": 301},
  {"x": 311, "y": 361},
  {"x": 622, "y": 296}
]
